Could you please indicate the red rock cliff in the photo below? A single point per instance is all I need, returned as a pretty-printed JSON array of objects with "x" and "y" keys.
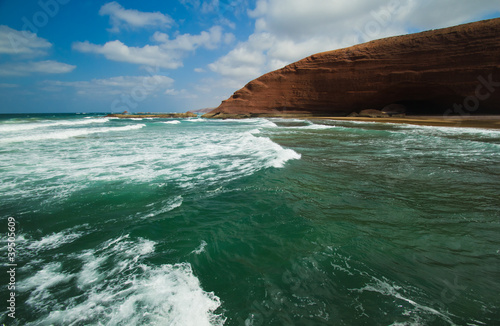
[{"x": 429, "y": 72}]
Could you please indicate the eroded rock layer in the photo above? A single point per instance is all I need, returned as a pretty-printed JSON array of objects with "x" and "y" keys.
[{"x": 454, "y": 70}]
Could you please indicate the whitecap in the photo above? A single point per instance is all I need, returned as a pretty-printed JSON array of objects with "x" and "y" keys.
[
  {"x": 39, "y": 285},
  {"x": 69, "y": 133},
  {"x": 54, "y": 240},
  {"x": 165, "y": 295},
  {"x": 164, "y": 207},
  {"x": 49, "y": 124},
  {"x": 187, "y": 158},
  {"x": 267, "y": 123},
  {"x": 317, "y": 127},
  {"x": 131, "y": 293},
  {"x": 90, "y": 272},
  {"x": 452, "y": 130},
  {"x": 200, "y": 249},
  {"x": 272, "y": 154},
  {"x": 175, "y": 122}
]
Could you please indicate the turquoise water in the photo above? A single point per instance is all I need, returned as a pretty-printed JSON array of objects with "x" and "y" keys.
[{"x": 251, "y": 222}]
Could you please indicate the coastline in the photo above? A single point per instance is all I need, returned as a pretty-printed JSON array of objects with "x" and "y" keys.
[
  {"x": 484, "y": 122},
  {"x": 154, "y": 116},
  {"x": 478, "y": 121}
]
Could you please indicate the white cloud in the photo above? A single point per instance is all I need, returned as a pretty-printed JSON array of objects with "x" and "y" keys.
[
  {"x": 130, "y": 18},
  {"x": 27, "y": 68},
  {"x": 229, "y": 38},
  {"x": 289, "y": 30},
  {"x": 246, "y": 61},
  {"x": 220, "y": 7},
  {"x": 150, "y": 55},
  {"x": 114, "y": 85},
  {"x": 180, "y": 93},
  {"x": 205, "y": 6},
  {"x": 336, "y": 18},
  {"x": 167, "y": 54},
  {"x": 428, "y": 14},
  {"x": 188, "y": 42},
  {"x": 14, "y": 42},
  {"x": 22, "y": 45},
  {"x": 210, "y": 6}
]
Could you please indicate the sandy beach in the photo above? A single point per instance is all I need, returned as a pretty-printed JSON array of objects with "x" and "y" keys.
[{"x": 486, "y": 122}]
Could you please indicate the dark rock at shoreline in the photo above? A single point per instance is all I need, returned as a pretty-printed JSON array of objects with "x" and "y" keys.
[
  {"x": 447, "y": 71},
  {"x": 372, "y": 114}
]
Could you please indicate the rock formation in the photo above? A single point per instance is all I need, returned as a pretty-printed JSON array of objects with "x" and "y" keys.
[
  {"x": 205, "y": 110},
  {"x": 453, "y": 70}
]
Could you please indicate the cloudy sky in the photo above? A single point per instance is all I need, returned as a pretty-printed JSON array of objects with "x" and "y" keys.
[{"x": 177, "y": 55}]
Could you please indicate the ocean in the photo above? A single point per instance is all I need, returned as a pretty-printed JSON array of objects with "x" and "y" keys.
[{"x": 247, "y": 222}]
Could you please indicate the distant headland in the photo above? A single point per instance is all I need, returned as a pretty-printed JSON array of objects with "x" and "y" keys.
[{"x": 448, "y": 72}]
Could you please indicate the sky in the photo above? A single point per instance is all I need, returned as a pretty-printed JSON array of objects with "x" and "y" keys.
[{"x": 180, "y": 55}]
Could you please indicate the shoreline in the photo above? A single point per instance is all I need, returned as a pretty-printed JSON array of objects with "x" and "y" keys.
[
  {"x": 154, "y": 116},
  {"x": 477, "y": 121},
  {"x": 483, "y": 122}
]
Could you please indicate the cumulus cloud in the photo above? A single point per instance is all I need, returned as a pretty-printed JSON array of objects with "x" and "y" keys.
[
  {"x": 24, "y": 45},
  {"x": 337, "y": 18},
  {"x": 288, "y": 30},
  {"x": 117, "y": 51},
  {"x": 130, "y": 18},
  {"x": 428, "y": 14},
  {"x": 245, "y": 61},
  {"x": 188, "y": 42},
  {"x": 168, "y": 53},
  {"x": 114, "y": 85},
  {"x": 14, "y": 42},
  {"x": 28, "y": 68}
]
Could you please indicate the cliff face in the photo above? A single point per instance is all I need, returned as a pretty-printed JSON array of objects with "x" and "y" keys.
[{"x": 453, "y": 70}]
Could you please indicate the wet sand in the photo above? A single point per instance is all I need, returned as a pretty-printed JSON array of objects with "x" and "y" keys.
[{"x": 487, "y": 122}]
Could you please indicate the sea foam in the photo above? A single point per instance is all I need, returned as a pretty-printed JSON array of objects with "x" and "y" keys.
[
  {"x": 190, "y": 157},
  {"x": 418, "y": 310},
  {"x": 49, "y": 124},
  {"x": 54, "y": 240},
  {"x": 69, "y": 133},
  {"x": 131, "y": 293}
]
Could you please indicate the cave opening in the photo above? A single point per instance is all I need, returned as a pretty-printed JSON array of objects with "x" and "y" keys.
[
  {"x": 422, "y": 99},
  {"x": 426, "y": 107}
]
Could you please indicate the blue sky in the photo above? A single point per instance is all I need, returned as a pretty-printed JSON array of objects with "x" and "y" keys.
[{"x": 178, "y": 55}]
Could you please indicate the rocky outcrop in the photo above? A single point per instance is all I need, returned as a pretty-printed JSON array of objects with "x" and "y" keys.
[
  {"x": 371, "y": 113},
  {"x": 448, "y": 71},
  {"x": 205, "y": 110}
]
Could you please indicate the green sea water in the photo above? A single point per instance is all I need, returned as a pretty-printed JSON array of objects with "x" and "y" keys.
[{"x": 249, "y": 222}]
